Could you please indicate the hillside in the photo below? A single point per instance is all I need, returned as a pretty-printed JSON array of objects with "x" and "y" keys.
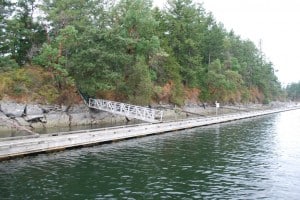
[
  {"x": 33, "y": 84},
  {"x": 36, "y": 85},
  {"x": 128, "y": 51}
]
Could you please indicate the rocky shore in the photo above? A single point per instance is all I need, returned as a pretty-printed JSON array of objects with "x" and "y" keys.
[{"x": 22, "y": 119}]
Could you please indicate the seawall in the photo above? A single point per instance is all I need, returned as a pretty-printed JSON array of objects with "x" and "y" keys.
[{"x": 19, "y": 146}]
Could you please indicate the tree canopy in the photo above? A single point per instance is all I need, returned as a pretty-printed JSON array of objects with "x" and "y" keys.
[
  {"x": 131, "y": 51},
  {"x": 293, "y": 91}
]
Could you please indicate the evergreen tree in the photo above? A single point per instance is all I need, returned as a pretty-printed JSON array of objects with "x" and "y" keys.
[
  {"x": 134, "y": 30},
  {"x": 293, "y": 91},
  {"x": 24, "y": 35},
  {"x": 184, "y": 34},
  {"x": 124, "y": 49}
]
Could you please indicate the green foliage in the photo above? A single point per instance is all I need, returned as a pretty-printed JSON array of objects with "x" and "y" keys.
[
  {"x": 22, "y": 35},
  {"x": 183, "y": 33},
  {"x": 293, "y": 91},
  {"x": 31, "y": 84},
  {"x": 77, "y": 13},
  {"x": 128, "y": 51},
  {"x": 16, "y": 82},
  {"x": 139, "y": 83},
  {"x": 7, "y": 64},
  {"x": 48, "y": 93},
  {"x": 6, "y": 11},
  {"x": 52, "y": 56},
  {"x": 47, "y": 57},
  {"x": 213, "y": 43},
  {"x": 167, "y": 71}
]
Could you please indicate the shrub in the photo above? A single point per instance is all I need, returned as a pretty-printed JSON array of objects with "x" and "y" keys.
[{"x": 34, "y": 83}]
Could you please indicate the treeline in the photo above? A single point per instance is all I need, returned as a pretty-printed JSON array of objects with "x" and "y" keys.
[
  {"x": 130, "y": 51},
  {"x": 293, "y": 91}
]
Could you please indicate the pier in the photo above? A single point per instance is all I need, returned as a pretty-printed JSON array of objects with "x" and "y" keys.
[{"x": 33, "y": 144}]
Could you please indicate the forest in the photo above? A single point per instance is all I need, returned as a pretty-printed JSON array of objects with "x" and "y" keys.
[
  {"x": 293, "y": 91},
  {"x": 128, "y": 51}
]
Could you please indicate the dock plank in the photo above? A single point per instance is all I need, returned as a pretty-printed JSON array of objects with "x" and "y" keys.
[{"x": 51, "y": 142}]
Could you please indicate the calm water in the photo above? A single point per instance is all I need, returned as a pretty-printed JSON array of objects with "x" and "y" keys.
[{"x": 249, "y": 159}]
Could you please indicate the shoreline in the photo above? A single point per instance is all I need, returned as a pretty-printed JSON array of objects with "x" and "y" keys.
[
  {"x": 34, "y": 144},
  {"x": 23, "y": 119}
]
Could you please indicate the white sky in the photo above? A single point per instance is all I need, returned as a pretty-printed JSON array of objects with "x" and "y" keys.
[{"x": 275, "y": 22}]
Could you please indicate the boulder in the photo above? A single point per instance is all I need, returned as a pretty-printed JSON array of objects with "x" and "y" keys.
[
  {"x": 37, "y": 126},
  {"x": 81, "y": 108},
  {"x": 106, "y": 118},
  {"x": 35, "y": 118},
  {"x": 22, "y": 122},
  {"x": 50, "y": 108},
  {"x": 32, "y": 109},
  {"x": 80, "y": 119},
  {"x": 3, "y": 119},
  {"x": 57, "y": 119},
  {"x": 12, "y": 109}
]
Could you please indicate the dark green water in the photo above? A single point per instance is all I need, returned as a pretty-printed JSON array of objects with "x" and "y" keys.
[{"x": 249, "y": 159}]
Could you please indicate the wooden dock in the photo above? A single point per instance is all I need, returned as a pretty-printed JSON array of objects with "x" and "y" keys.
[{"x": 33, "y": 144}]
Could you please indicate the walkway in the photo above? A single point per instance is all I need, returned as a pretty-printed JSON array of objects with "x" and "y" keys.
[
  {"x": 12, "y": 147},
  {"x": 127, "y": 110}
]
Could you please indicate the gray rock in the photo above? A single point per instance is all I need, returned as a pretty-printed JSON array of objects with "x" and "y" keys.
[
  {"x": 37, "y": 125},
  {"x": 35, "y": 118},
  {"x": 12, "y": 109},
  {"x": 33, "y": 110},
  {"x": 22, "y": 122},
  {"x": 57, "y": 119},
  {"x": 80, "y": 119},
  {"x": 100, "y": 115},
  {"x": 3, "y": 119},
  {"x": 79, "y": 109},
  {"x": 106, "y": 118},
  {"x": 50, "y": 108}
]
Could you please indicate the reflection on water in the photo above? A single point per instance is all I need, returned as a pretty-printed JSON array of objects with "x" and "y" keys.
[
  {"x": 16, "y": 133},
  {"x": 249, "y": 159},
  {"x": 83, "y": 127}
]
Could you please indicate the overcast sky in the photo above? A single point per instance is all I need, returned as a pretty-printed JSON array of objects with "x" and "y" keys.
[{"x": 275, "y": 22}]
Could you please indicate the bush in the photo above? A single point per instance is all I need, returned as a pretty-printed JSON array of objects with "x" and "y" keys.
[
  {"x": 35, "y": 84},
  {"x": 7, "y": 64}
]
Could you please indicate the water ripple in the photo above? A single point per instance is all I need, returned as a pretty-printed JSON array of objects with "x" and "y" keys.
[{"x": 249, "y": 159}]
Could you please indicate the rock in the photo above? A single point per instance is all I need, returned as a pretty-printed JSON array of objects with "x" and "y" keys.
[
  {"x": 35, "y": 118},
  {"x": 10, "y": 115},
  {"x": 80, "y": 119},
  {"x": 65, "y": 108},
  {"x": 3, "y": 119},
  {"x": 57, "y": 119},
  {"x": 2, "y": 115},
  {"x": 106, "y": 118},
  {"x": 100, "y": 115},
  {"x": 22, "y": 122},
  {"x": 37, "y": 126},
  {"x": 12, "y": 109},
  {"x": 50, "y": 108},
  {"x": 33, "y": 110},
  {"x": 78, "y": 109}
]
